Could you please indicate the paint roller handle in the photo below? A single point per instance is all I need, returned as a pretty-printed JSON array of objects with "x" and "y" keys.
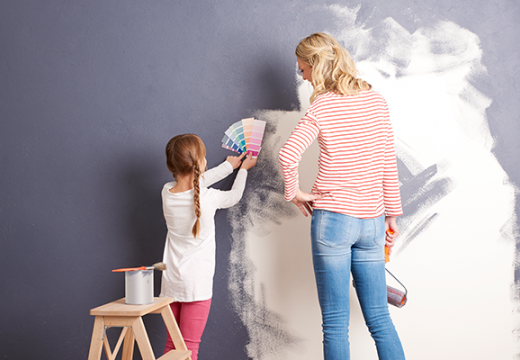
[
  {"x": 392, "y": 232},
  {"x": 387, "y": 249}
]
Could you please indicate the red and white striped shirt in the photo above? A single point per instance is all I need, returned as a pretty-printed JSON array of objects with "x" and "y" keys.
[{"x": 357, "y": 164}]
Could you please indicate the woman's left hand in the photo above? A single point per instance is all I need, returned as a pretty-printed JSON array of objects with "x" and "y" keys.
[
  {"x": 303, "y": 201},
  {"x": 392, "y": 232}
]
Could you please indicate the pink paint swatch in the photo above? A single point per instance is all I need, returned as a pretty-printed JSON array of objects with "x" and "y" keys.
[{"x": 244, "y": 136}]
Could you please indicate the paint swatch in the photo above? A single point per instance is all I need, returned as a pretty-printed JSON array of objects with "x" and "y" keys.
[{"x": 244, "y": 136}]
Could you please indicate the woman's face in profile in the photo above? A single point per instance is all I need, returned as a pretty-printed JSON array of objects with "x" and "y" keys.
[{"x": 305, "y": 70}]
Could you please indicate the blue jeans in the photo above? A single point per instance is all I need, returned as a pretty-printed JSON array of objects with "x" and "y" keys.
[{"x": 343, "y": 244}]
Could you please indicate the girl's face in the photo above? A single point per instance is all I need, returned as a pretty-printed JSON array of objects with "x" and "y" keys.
[{"x": 305, "y": 70}]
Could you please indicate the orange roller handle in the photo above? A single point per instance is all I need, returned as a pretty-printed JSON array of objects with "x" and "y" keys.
[{"x": 387, "y": 249}]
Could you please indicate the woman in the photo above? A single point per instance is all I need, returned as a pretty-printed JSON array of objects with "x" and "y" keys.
[{"x": 355, "y": 198}]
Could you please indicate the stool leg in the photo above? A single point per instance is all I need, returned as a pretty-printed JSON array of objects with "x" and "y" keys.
[
  {"x": 128, "y": 345},
  {"x": 96, "y": 344},
  {"x": 173, "y": 328},
  {"x": 142, "y": 340}
]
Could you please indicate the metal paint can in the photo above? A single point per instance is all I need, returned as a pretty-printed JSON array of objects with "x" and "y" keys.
[{"x": 139, "y": 287}]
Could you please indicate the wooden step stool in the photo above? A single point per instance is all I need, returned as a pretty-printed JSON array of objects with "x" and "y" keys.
[{"x": 129, "y": 317}]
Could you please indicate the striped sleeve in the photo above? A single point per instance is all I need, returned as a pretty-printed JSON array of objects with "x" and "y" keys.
[
  {"x": 391, "y": 194},
  {"x": 291, "y": 153}
]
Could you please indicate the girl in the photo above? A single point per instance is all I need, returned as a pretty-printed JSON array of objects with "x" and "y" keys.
[
  {"x": 189, "y": 207},
  {"x": 355, "y": 197}
]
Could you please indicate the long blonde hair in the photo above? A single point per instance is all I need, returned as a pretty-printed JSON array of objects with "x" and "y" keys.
[
  {"x": 185, "y": 155},
  {"x": 332, "y": 67}
]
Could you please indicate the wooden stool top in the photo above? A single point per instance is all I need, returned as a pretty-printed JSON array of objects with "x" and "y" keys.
[{"x": 120, "y": 308}]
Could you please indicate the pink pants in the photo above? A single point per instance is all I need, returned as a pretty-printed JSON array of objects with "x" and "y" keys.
[{"x": 191, "y": 318}]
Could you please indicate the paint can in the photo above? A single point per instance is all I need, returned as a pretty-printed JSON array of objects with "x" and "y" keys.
[{"x": 139, "y": 287}]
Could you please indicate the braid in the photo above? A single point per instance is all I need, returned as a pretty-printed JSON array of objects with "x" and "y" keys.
[
  {"x": 185, "y": 156},
  {"x": 196, "y": 199}
]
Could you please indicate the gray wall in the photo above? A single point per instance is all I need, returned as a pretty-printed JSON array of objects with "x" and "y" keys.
[{"x": 90, "y": 92}]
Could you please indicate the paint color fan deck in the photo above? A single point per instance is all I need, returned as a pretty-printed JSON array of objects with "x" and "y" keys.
[{"x": 244, "y": 136}]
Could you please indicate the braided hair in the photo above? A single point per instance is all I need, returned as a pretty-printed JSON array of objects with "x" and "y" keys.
[
  {"x": 185, "y": 155},
  {"x": 332, "y": 67},
  {"x": 196, "y": 200}
]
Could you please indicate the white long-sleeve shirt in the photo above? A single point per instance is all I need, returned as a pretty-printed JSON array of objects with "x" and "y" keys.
[
  {"x": 357, "y": 163},
  {"x": 190, "y": 261}
]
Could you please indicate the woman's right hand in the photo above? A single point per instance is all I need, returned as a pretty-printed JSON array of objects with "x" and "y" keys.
[
  {"x": 304, "y": 201},
  {"x": 248, "y": 162}
]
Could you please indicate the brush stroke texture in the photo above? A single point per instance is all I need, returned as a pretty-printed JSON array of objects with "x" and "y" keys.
[{"x": 447, "y": 171}]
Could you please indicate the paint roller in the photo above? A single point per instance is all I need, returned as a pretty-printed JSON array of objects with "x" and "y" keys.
[{"x": 394, "y": 296}]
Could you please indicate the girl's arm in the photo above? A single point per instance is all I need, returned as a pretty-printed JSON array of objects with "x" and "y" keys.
[
  {"x": 216, "y": 174},
  {"x": 220, "y": 172},
  {"x": 226, "y": 199}
]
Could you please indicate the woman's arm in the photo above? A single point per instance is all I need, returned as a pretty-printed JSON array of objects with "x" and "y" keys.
[
  {"x": 291, "y": 153},
  {"x": 391, "y": 193}
]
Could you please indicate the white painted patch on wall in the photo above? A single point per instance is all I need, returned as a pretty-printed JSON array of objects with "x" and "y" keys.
[{"x": 455, "y": 253}]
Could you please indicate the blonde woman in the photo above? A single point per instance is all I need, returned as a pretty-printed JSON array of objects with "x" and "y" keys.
[{"x": 355, "y": 199}]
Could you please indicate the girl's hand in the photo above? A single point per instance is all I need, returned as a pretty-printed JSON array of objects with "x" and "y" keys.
[
  {"x": 235, "y": 161},
  {"x": 248, "y": 162},
  {"x": 392, "y": 232},
  {"x": 303, "y": 201}
]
